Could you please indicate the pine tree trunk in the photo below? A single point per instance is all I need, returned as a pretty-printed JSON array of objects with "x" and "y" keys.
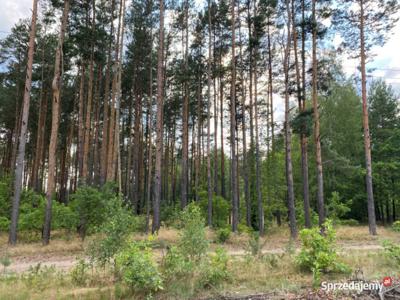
[
  {"x": 88, "y": 119},
  {"x": 104, "y": 142},
  {"x": 81, "y": 128},
  {"x": 56, "y": 85},
  {"x": 258, "y": 167},
  {"x": 234, "y": 165},
  {"x": 303, "y": 138},
  {"x": 209, "y": 183},
  {"x": 367, "y": 138},
  {"x": 159, "y": 124},
  {"x": 288, "y": 137},
  {"x": 185, "y": 116},
  {"x": 244, "y": 133},
  {"x": 317, "y": 135},
  {"x": 19, "y": 168}
]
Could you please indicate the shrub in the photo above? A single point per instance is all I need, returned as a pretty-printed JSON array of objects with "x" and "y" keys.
[
  {"x": 223, "y": 235},
  {"x": 318, "y": 253},
  {"x": 4, "y": 224},
  {"x": 243, "y": 228},
  {"x": 32, "y": 211},
  {"x": 170, "y": 216},
  {"x": 193, "y": 242},
  {"x": 396, "y": 226},
  {"x": 392, "y": 252},
  {"x": 91, "y": 206},
  {"x": 138, "y": 269},
  {"x": 220, "y": 207},
  {"x": 5, "y": 195},
  {"x": 337, "y": 208},
  {"x": 254, "y": 245},
  {"x": 217, "y": 269},
  {"x": 79, "y": 274},
  {"x": 112, "y": 233},
  {"x": 349, "y": 222}
]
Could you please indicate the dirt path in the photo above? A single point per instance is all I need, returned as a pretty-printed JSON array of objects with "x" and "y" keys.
[{"x": 24, "y": 263}]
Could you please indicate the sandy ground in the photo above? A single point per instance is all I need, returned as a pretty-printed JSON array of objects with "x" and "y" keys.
[{"x": 22, "y": 264}]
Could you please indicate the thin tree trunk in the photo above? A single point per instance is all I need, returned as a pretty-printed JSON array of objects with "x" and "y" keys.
[
  {"x": 159, "y": 126},
  {"x": 104, "y": 142},
  {"x": 81, "y": 128},
  {"x": 87, "y": 127},
  {"x": 56, "y": 85},
  {"x": 234, "y": 184},
  {"x": 185, "y": 118},
  {"x": 209, "y": 183},
  {"x": 367, "y": 138},
  {"x": 19, "y": 168},
  {"x": 303, "y": 138},
  {"x": 150, "y": 131},
  {"x": 317, "y": 135},
  {"x": 288, "y": 137}
]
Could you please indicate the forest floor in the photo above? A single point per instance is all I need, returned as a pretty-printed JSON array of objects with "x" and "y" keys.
[{"x": 356, "y": 247}]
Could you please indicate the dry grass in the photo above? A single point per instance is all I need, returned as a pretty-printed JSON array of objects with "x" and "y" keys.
[
  {"x": 360, "y": 235},
  {"x": 58, "y": 246},
  {"x": 273, "y": 273}
]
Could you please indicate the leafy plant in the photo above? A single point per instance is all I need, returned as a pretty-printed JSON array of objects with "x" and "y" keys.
[
  {"x": 79, "y": 274},
  {"x": 318, "y": 253},
  {"x": 4, "y": 224},
  {"x": 392, "y": 251},
  {"x": 91, "y": 206},
  {"x": 223, "y": 234},
  {"x": 396, "y": 226},
  {"x": 138, "y": 270},
  {"x": 112, "y": 233},
  {"x": 221, "y": 209},
  {"x": 337, "y": 208},
  {"x": 217, "y": 269},
  {"x": 254, "y": 245},
  {"x": 5, "y": 261},
  {"x": 193, "y": 242}
]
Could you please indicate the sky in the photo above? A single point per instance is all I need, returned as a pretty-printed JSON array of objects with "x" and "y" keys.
[{"x": 386, "y": 59}]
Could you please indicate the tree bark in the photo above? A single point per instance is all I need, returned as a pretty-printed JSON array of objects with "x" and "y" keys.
[
  {"x": 317, "y": 135},
  {"x": 19, "y": 168},
  {"x": 159, "y": 124},
  {"x": 367, "y": 138},
  {"x": 56, "y": 85},
  {"x": 288, "y": 137},
  {"x": 185, "y": 117},
  {"x": 234, "y": 184},
  {"x": 209, "y": 184},
  {"x": 303, "y": 138}
]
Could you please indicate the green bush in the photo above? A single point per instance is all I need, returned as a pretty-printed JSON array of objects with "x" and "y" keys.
[
  {"x": 254, "y": 245},
  {"x": 336, "y": 207},
  {"x": 5, "y": 195},
  {"x": 138, "y": 270},
  {"x": 396, "y": 226},
  {"x": 170, "y": 216},
  {"x": 113, "y": 232},
  {"x": 318, "y": 253},
  {"x": 79, "y": 274},
  {"x": 32, "y": 211},
  {"x": 220, "y": 209},
  {"x": 349, "y": 222},
  {"x": 223, "y": 235},
  {"x": 4, "y": 224},
  {"x": 243, "y": 228},
  {"x": 392, "y": 252},
  {"x": 91, "y": 206},
  {"x": 193, "y": 242},
  {"x": 217, "y": 269}
]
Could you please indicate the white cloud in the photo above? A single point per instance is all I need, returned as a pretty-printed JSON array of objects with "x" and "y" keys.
[{"x": 12, "y": 11}]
